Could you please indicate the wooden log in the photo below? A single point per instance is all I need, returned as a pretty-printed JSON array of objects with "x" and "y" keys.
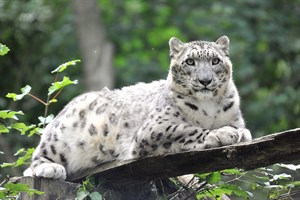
[
  {"x": 62, "y": 190},
  {"x": 54, "y": 189},
  {"x": 260, "y": 152},
  {"x": 127, "y": 178}
]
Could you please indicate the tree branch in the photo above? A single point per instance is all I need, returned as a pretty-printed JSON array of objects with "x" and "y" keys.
[{"x": 263, "y": 151}]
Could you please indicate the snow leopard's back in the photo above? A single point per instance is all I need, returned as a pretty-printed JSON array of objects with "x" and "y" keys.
[{"x": 97, "y": 127}]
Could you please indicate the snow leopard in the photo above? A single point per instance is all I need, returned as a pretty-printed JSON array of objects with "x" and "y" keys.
[{"x": 195, "y": 108}]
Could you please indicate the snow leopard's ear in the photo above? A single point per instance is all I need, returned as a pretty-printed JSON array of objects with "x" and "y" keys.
[
  {"x": 223, "y": 42},
  {"x": 175, "y": 46}
]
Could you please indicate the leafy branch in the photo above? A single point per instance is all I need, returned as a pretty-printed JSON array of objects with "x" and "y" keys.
[
  {"x": 10, "y": 190},
  {"x": 55, "y": 88},
  {"x": 86, "y": 190}
]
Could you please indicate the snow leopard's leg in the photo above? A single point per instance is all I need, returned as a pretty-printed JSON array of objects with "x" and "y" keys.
[
  {"x": 161, "y": 134},
  {"x": 45, "y": 164},
  {"x": 226, "y": 135},
  {"x": 47, "y": 170}
]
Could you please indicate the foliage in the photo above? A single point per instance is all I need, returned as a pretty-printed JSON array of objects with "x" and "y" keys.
[
  {"x": 61, "y": 84},
  {"x": 55, "y": 86},
  {"x": 86, "y": 190},
  {"x": 11, "y": 190},
  {"x": 3, "y": 49},
  {"x": 16, "y": 97},
  {"x": 23, "y": 160},
  {"x": 9, "y": 122},
  {"x": 41, "y": 35},
  {"x": 213, "y": 186},
  {"x": 262, "y": 183},
  {"x": 276, "y": 186}
]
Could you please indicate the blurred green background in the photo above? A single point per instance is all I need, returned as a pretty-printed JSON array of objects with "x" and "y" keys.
[{"x": 265, "y": 52}]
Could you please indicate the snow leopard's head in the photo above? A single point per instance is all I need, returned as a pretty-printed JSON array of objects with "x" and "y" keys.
[{"x": 199, "y": 68}]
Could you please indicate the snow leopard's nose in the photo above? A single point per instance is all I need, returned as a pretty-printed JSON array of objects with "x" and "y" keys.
[
  {"x": 204, "y": 76},
  {"x": 205, "y": 81}
]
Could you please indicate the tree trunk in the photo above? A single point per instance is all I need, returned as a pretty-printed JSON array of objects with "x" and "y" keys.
[{"x": 96, "y": 50}]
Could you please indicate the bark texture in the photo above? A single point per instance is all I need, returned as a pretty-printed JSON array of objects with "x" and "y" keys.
[{"x": 134, "y": 179}]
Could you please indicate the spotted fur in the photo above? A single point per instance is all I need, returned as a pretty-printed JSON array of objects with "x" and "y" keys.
[{"x": 196, "y": 107}]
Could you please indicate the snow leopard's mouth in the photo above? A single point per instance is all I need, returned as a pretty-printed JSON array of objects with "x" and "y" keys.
[{"x": 204, "y": 90}]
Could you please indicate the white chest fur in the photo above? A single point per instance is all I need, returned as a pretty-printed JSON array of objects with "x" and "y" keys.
[{"x": 205, "y": 113}]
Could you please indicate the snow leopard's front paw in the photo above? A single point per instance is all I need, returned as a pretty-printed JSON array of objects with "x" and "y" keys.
[
  {"x": 246, "y": 135},
  {"x": 50, "y": 170},
  {"x": 226, "y": 135}
]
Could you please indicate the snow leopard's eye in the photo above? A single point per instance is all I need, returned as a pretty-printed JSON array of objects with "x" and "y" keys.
[
  {"x": 215, "y": 61},
  {"x": 190, "y": 61}
]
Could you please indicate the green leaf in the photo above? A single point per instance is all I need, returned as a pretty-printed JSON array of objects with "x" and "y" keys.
[
  {"x": 60, "y": 85},
  {"x": 202, "y": 176},
  {"x": 215, "y": 193},
  {"x": 81, "y": 194},
  {"x": 281, "y": 177},
  {"x": 231, "y": 171},
  {"x": 19, "y": 152},
  {"x": 8, "y": 114},
  {"x": 34, "y": 131},
  {"x": 294, "y": 184},
  {"x": 95, "y": 196},
  {"x": 262, "y": 178},
  {"x": 3, "y": 129},
  {"x": 3, "y": 49},
  {"x": 2, "y": 194},
  {"x": 34, "y": 191},
  {"x": 24, "y": 91},
  {"x": 53, "y": 101},
  {"x": 273, "y": 186},
  {"x": 289, "y": 166},
  {"x": 89, "y": 183},
  {"x": 214, "y": 177},
  {"x": 222, "y": 189},
  {"x": 26, "y": 158},
  {"x": 236, "y": 190},
  {"x": 22, "y": 128},
  {"x": 46, "y": 120},
  {"x": 19, "y": 187},
  {"x": 3, "y": 165},
  {"x": 21, "y": 160},
  {"x": 64, "y": 66},
  {"x": 16, "y": 187}
]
